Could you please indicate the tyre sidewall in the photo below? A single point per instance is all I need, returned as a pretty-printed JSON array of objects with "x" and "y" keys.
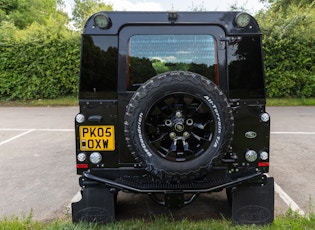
[{"x": 150, "y": 93}]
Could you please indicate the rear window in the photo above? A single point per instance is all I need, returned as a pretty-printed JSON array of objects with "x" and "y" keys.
[
  {"x": 246, "y": 75},
  {"x": 150, "y": 55},
  {"x": 99, "y": 61}
]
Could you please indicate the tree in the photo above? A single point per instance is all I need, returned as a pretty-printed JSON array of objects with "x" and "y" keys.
[
  {"x": 24, "y": 12},
  {"x": 200, "y": 7},
  {"x": 285, "y": 4},
  {"x": 83, "y": 9},
  {"x": 39, "y": 55},
  {"x": 289, "y": 48},
  {"x": 7, "y": 6}
]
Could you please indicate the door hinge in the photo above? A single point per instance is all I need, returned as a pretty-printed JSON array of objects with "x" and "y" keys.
[{"x": 230, "y": 40}]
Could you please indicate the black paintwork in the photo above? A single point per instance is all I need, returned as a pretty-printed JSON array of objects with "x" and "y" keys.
[
  {"x": 103, "y": 88},
  {"x": 122, "y": 19},
  {"x": 104, "y": 95}
]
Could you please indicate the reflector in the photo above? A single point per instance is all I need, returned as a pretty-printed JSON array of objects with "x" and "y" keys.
[
  {"x": 82, "y": 166},
  {"x": 263, "y": 164}
]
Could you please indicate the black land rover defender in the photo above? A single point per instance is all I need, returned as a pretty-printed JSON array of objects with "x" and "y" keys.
[{"x": 172, "y": 104}]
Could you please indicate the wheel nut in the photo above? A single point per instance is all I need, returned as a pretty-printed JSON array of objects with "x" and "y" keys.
[
  {"x": 178, "y": 114},
  {"x": 172, "y": 135},
  {"x": 186, "y": 135}
]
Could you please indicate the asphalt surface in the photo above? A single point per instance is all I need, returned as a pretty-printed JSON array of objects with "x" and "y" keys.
[
  {"x": 293, "y": 153},
  {"x": 38, "y": 172}
]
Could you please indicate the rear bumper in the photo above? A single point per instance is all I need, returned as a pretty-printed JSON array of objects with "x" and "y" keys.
[{"x": 140, "y": 182}]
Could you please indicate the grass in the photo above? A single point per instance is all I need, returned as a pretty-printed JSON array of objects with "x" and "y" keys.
[
  {"x": 62, "y": 101},
  {"x": 291, "y": 102},
  {"x": 289, "y": 220},
  {"x": 73, "y": 101}
]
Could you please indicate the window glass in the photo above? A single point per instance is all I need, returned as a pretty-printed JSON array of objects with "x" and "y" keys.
[
  {"x": 150, "y": 55},
  {"x": 99, "y": 65},
  {"x": 246, "y": 77}
]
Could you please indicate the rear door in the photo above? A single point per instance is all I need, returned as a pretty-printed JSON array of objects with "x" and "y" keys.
[{"x": 146, "y": 51}]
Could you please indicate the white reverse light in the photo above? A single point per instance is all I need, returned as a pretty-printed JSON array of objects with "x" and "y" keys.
[
  {"x": 95, "y": 157},
  {"x": 80, "y": 118},
  {"x": 264, "y": 117},
  {"x": 264, "y": 155},
  {"x": 251, "y": 155},
  {"x": 81, "y": 157}
]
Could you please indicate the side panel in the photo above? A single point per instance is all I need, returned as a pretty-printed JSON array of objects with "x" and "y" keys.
[
  {"x": 251, "y": 133},
  {"x": 245, "y": 67},
  {"x": 98, "y": 114}
]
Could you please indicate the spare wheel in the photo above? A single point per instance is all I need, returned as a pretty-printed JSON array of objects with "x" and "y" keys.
[{"x": 178, "y": 124}]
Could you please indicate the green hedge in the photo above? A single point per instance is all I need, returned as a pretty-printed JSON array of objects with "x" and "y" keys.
[
  {"x": 49, "y": 68},
  {"x": 289, "y": 67},
  {"x": 44, "y": 68},
  {"x": 289, "y": 48}
]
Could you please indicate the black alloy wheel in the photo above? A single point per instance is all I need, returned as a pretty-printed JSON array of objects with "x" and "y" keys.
[{"x": 177, "y": 124}]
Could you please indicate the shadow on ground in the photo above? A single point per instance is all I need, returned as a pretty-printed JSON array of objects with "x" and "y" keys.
[{"x": 140, "y": 206}]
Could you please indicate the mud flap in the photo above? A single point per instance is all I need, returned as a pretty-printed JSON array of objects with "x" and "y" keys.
[
  {"x": 97, "y": 205},
  {"x": 253, "y": 204}
]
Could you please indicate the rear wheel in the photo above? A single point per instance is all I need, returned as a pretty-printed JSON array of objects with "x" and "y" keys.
[{"x": 177, "y": 124}]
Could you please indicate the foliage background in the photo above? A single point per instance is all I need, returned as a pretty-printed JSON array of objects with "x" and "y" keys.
[
  {"x": 289, "y": 48},
  {"x": 40, "y": 55},
  {"x": 39, "y": 68}
]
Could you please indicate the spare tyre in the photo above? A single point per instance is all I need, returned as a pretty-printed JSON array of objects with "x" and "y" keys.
[{"x": 178, "y": 124}]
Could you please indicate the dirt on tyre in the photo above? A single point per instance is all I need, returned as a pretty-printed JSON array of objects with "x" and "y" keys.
[{"x": 178, "y": 125}]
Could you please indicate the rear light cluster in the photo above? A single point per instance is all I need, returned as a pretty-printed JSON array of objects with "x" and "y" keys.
[
  {"x": 95, "y": 157},
  {"x": 252, "y": 155},
  {"x": 82, "y": 157}
]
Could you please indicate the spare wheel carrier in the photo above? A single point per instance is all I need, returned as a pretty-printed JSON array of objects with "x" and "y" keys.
[{"x": 178, "y": 124}]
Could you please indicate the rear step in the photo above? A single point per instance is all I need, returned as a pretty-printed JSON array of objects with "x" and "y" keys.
[{"x": 217, "y": 181}]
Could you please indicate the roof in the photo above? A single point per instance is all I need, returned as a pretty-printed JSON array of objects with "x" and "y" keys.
[{"x": 225, "y": 20}]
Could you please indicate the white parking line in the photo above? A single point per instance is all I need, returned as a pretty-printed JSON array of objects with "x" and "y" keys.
[
  {"x": 17, "y": 136},
  {"x": 294, "y": 133},
  {"x": 288, "y": 200},
  {"x": 283, "y": 195},
  {"x": 27, "y": 131},
  {"x": 50, "y": 130}
]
